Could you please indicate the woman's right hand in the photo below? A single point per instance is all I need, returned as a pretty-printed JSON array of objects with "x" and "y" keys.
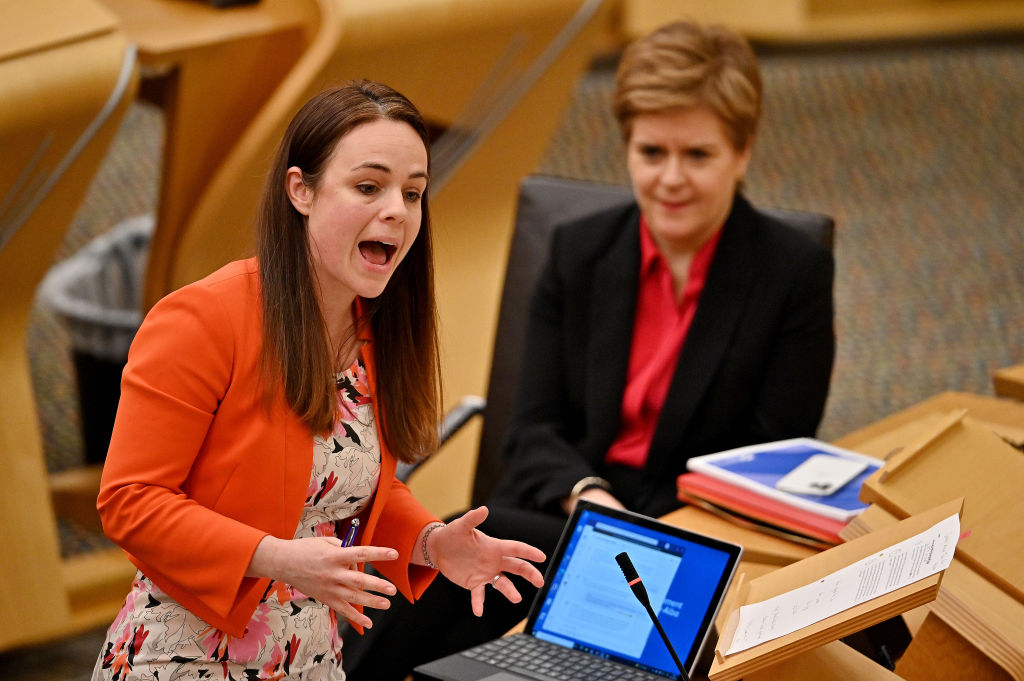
[{"x": 320, "y": 568}]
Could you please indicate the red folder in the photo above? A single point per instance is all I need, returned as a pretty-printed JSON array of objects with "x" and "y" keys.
[{"x": 702, "y": 489}]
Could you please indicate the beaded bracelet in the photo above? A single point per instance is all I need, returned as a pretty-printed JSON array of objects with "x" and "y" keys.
[{"x": 426, "y": 535}]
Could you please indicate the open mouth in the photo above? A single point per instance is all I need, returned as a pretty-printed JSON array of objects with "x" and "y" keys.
[{"x": 377, "y": 252}]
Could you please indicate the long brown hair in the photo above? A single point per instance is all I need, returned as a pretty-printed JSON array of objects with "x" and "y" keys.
[{"x": 296, "y": 351}]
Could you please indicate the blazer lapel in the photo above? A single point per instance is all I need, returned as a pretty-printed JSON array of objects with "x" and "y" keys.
[
  {"x": 613, "y": 307},
  {"x": 719, "y": 310}
]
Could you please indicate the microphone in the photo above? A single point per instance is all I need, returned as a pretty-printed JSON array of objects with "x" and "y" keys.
[{"x": 637, "y": 586}]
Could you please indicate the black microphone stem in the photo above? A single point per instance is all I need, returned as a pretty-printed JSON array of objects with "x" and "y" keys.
[
  {"x": 637, "y": 586},
  {"x": 664, "y": 637}
]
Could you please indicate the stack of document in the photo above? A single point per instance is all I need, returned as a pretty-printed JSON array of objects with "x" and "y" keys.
[{"x": 803, "y": 489}]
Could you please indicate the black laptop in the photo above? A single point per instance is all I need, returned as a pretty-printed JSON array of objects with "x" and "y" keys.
[{"x": 586, "y": 623}]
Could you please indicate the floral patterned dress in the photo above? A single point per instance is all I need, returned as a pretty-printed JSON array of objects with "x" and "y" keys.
[{"x": 290, "y": 636}]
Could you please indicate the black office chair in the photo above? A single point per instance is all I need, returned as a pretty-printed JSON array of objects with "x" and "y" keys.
[{"x": 544, "y": 203}]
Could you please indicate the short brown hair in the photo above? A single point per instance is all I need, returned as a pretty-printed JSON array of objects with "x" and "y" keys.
[
  {"x": 684, "y": 65},
  {"x": 296, "y": 349}
]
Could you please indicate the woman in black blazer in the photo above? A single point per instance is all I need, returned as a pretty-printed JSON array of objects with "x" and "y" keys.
[
  {"x": 685, "y": 324},
  {"x": 754, "y": 366}
]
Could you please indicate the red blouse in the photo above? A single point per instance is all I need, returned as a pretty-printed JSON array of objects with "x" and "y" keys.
[{"x": 659, "y": 329}]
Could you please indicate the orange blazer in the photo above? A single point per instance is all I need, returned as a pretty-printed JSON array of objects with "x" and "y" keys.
[{"x": 201, "y": 468}]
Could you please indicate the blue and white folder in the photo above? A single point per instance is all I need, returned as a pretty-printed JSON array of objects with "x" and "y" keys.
[{"x": 758, "y": 468}]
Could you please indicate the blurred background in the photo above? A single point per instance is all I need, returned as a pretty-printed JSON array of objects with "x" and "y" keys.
[{"x": 899, "y": 119}]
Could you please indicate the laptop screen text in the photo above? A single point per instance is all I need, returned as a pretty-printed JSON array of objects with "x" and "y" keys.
[{"x": 590, "y": 607}]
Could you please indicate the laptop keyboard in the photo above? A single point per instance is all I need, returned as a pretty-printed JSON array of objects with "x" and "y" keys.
[{"x": 544, "y": 661}]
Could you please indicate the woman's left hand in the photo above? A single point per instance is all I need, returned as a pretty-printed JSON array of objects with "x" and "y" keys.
[{"x": 472, "y": 559}]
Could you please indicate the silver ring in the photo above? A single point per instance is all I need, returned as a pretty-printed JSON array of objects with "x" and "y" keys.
[{"x": 494, "y": 582}]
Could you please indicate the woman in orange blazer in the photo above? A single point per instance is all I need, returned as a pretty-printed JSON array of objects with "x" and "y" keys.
[{"x": 262, "y": 413}]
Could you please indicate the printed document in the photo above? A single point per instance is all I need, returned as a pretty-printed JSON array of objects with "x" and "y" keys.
[{"x": 892, "y": 568}]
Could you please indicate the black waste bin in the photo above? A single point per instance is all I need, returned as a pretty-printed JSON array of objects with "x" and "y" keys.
[{"x": 96, "y": 293}]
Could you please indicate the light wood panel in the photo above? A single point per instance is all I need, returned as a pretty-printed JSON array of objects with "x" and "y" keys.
[
  {"x": 64, "y": 88},
  {"x": 1009, "y": 382},
  {"x": 1005, "y": 417},
  {"x": 211, "y": 70},
  {"x": 831, "y": 20}
]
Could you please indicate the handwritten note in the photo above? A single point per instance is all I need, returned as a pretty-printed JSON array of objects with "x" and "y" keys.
[{"x": 890, "y": 569}]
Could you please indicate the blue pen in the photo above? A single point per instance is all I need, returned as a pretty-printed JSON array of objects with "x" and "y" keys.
[{"x": 350, "y": 536}]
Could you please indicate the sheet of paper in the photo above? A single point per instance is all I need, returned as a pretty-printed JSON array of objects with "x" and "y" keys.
[{"x": 892, "y": 568}]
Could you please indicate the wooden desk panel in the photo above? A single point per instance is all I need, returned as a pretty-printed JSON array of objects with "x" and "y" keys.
[
  {"x": 48, "y": 24},
  {"x": 167, "y": 31},
  {"x": 834, "y": 661},
  {"x": 62, "y": 96},
  {"x": 973, "y": 629},
  {"x": 1009, "y": 382},
  {"x": 215, "y": 69},
  {"x": 1005, "y": 417},
  {"x": 810, "y": 21},
  {"x": 938, "y": 653}
]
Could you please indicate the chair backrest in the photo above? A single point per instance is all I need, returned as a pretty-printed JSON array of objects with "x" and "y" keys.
[
  {"x": 819, "y": 227},
  {"x": 544, "y": 203}
]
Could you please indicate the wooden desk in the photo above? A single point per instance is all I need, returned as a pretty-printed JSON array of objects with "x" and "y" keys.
[
  {"x": 1005, "y": 417},
  {"x": 1009, "y": 382},
  {"x": 210, "y": 70},
  {"x": 939, "y": 650}
]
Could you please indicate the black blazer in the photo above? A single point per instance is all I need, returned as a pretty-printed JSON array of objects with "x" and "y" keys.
[{"x": 755, "y": 366}]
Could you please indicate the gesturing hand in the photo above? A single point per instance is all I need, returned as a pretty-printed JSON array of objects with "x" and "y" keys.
[
  {"x": 321, "y": 569},
  {"x": 472, "y": 559}
]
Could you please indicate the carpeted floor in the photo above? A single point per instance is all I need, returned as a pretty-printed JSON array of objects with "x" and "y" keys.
[{"x": 916, "y": 150}]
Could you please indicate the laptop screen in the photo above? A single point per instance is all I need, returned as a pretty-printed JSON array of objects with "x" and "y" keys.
[{"x": 587, "y": 604}]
